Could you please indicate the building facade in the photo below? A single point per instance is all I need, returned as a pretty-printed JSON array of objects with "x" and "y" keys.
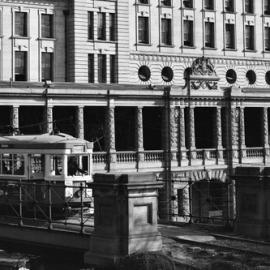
[{"x": 177, "y": 87}]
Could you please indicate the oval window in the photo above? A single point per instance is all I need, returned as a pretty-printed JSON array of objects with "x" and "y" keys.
[
  {"x": 231, "y": 76},
  {"x": 267, "y": 77},
  {"x": 167, "y": 74},
  {"x": 251, "y": 77},
  {"x": 144, "y": 73}
]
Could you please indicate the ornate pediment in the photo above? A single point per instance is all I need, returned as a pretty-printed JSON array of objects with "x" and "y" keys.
[{"x": 203, "y": 74}]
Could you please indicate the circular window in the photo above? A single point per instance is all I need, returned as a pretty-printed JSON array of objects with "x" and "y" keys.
[
  {"x": 231, "y": 76},
  {"x": 167, "y": 74},
  {"x": 267, "y": 77},
  {"x": 251, "y": 77},
  {"x": 144, "y": 73}
]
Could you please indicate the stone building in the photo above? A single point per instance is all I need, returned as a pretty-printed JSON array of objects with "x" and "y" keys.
[{"x": 177, "y": 87}]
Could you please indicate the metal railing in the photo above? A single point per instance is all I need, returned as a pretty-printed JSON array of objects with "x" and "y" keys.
[{"x": 47, "y": 205}]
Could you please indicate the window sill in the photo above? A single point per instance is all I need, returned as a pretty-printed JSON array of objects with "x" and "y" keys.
[
  {"x": 248, "y": 14},
  {"x": 141, "y": 4},
  {"x": 251, "y": 51},
  {"x": 266, "y": 51},
  {"x": 164, "y": 6},
  {"x": 229, "y": 12},
  {"x": 209, "y": 10},
  {"x": 42, "y": 38},
  {"x": 187, "y": 8},
  {"x": 266, "y": 15},
  {"x": 166, "y": 45},
  {"x": 144, "y": 44},
  {"x": 230, "y": 49},
  {"x": 101, "y": 41},
  {"x": 209, "y": 48},
  {"x": 20, "y": 37},
  {"x": 187, "y": 47}
]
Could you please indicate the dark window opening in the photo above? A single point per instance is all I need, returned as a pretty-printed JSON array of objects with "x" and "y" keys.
[
  {"x": 267, "y": 7},
  {"x": 47, "y": 66},
  {"x": 188, "y": 33},
  {"x": 188, "y": 3},
  {"x": 101, "y": 26},
  {"x": 249, "y": 37},
  {"x": 249, "y": 8},
  {"x": 112, "y": 26},
  {"x": 209, "y": 4},
  {"x": 166, "y": 32},
  {"x": 267, "y": 77},
  {"x": 229, "y": 5},
  {"x": 166, "y": 2},
  {"x": 230, "y": 36},
  {"x": 144, "y": 73},
  {"x": 209, "y": 35},
  {"x": 90, "y": 25},
  {"x": 167, "y": 74},
  {"x": 47, "y": 26},
  {"x": 20, "y": 66},
  {"x": 231, "y": 76},
  {"x": 251, "y": 77},
  {"x": 267, "y": 38},
  {"x": 102, "y": 68},
  {"x": 143, "y": 1},
  {"x": 91, "y": 70},
  {"x": 21, "y": 24},
  {"x": 143, "y": 30},
  {"x": 112, "y": 69}
]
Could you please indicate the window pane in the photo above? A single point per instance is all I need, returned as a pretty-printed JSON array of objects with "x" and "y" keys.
[
  {"x": 229, "y": 5},
  {"x": 47, "y": 26},
  {"x": 208, "y": 4},
  {"x": 102, "y": 72},
  {"x": 112, "y": 69},
  {"x": 112, "y": 26},
  {"x": 143, "y": 30},
  {"x": 249, "y": 6},
  {"x": 188, "y": 3},
  {"x": 21, "y": 24},
  {"x": 90, "y": 25},
  {"x": 47, "y": 66},
  {"x": 166, "y": 32},
  {"x": 20, "y": 66},
  {"x": 230, "y": 36},
  {"x": 249, "y": 37},
  {"x": 267, "y": 38},
  {"x": 267, "y": 7},
  {"x": 209, "y": 35},
  {"x": 101, "y": 28},
  {"x": 188, "y": 33},
  {"x": 91, "y": 73}
]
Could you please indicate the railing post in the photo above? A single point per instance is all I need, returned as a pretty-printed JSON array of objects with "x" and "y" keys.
[
  {"x": 81, "y": 204},
  {"x": 116, "y": 233},
  {"x": 50, "y": 206},
  {"x": 20, "y": 204}
]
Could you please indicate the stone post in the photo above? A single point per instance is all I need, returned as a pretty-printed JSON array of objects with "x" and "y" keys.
[
  {"x": 139, "y": 135},
  {"x": 234, "y": 139},
  {"x": 242, "y": 132},
  {"x": 49, "y": 119},
  {"x": 182, "y": 135},
  {"x": 192, "y": 146},
  {"x": 219, "y": 133},
  {"x": 15, "y": 118},
  {"x": 110, "y": 137},
  {"x": 80, "y": 122},
  {"x": 173, "y": 138},
  {"x": 125, "y": 217},
  {"x": 265, "y": 131}
]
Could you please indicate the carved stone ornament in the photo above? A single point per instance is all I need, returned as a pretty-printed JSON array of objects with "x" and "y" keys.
[{"x": 203, "y": 74}]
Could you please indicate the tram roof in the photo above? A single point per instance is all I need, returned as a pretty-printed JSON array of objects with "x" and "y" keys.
[{"x": 43, "y": 141}]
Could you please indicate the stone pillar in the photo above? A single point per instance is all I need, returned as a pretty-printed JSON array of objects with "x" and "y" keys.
[
  {"x": 110, "y": 136},
  {"x": 173, "y": 138},
  {"x": 15, "y": 119},
  {"x": 80, "y": 122},
  {"x": 219, "y": 133},
  {"x": 192, "y": 145},
  {"x": 182, "y": 134},
  {"x": 125, "y": 217},
  {"x": 234, "y": 137},
  {"x": 49, "y": 119},
  {"x": 242, "y": 136},
  {"x": 265, "y": 131},
  {"x": 139, "y": 134}
]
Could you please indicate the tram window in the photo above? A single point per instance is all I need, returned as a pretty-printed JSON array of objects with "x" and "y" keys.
[
  {"x": 56, "y": 165},
  {"x": 37, "y": 163},
  {"x": 12, "y": 164},
  {"x": 77, "y": 165}
]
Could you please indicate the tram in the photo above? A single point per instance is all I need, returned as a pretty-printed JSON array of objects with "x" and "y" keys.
[{"x": 51, "y": 168}]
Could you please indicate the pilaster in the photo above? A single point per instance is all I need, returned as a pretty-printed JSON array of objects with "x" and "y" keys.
[
  {"x": 139, "y": 134},
  {"x": 80, "y": 122},
  {"x": 265, "y": 131},
  {"x": 219, "y": 133},
  {"x": 15, "y": 118},
  {"x": 173, "y": 138},
  {"x": 110, "y": 136},
  {"x": 242, "y": 132},
  {"x": 182, "y": 135},
  {"x": 49, "y": 119},
  {"x": 192, "y": 145}
]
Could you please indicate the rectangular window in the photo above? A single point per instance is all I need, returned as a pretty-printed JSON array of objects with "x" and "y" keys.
[
  {"x": 112, "y": 26},
  {"x": 143, "y": 2},
  {"x": 90, "y": 25},
  {"x": 267, "y": 7},
  {"x": 101, "y": 27},
  {"x": 112, "y": 69},
  {"x": 21, "y": 24},
  {"x": 143, "y": 30},
  {"x": 230, "y": 36},
  {"x": 209, "y": 35},
  {"x": 166, "y": 32},
  {"x": 209, "y": 4},
  {"x": 102, "y": 71},
  {"x": 91, "y": 73},
  {"x": 47, "y": 26},
  {"x": 47, "y": 66},
  {"x": 267, "y": 38},
  {"x": 188, "y": 33},
  {"x": 249, "y": 37},
  {"x": 188, "y": 3},
  {"x": 229, "y": 5},
  {"x": 166, "y": 2},
  {"x": 20, "y": 66},
  {"x": 249, "y": 8}
]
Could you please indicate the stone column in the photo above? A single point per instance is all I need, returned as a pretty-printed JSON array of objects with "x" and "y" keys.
[
  {"x": 173, "y": 138},
  {"x": 182, "y": 133},
  {"x": 80, "y": 122},
  {"x": 192, "y": 145},
  {"x": 116, "y": 233},
  {"x": 110, "y": 136},
  {"x": 242, "y": 132},
  {"x": 15, "y": 119},
  {"x": 139, "y": 134},
  {"x": 265, "y": 131},
  {"x": 219, "y": 133},
  {"x": 234, "y": 137},
  {"x": 48, "y": 119}
]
